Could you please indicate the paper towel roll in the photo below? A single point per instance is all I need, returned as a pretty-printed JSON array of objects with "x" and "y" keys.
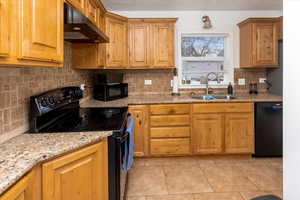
[{"x": 175, "y": 84}]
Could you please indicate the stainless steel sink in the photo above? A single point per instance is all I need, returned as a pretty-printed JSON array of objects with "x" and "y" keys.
[{"x": 201, "y": 97}]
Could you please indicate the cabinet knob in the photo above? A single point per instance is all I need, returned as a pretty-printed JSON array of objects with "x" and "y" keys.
[{"x": 140, "y": 122}]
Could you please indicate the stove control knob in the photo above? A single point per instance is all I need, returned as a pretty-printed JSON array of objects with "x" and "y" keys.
[
  {"x": 44, "y": 103},
  {"x": 51, "y": 100}
]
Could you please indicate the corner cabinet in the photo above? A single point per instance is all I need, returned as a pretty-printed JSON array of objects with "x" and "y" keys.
[
  {"x": 28, "y": 188},
  {"x": 258, "y": 43},
  {"x": 141, "y": 115},
  {"x": 116, "y": 51},
  {"x": 28, "y": 36},
  {"x": 79, "y": 175}
]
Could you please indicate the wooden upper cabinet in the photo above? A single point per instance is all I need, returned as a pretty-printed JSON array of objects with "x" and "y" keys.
[
  {"x": 41, "y": 34},
  {"x": 162, "y": 40},
  {"x": 5, "y": 30},
  {"x": 207, "y": 134},
  {"x": 265, "y": 47},
  {"x": 139, "y": 45},
  {"x": 78, "y": 4},
  {"x": 79, "y": 175},
  {"x": 151, "y": 43},
  {"x": 141, "y": 126},
  {"x": 239, "y": 133},
  {"x": 258, "y": 43},
  {"x": 117, "y": 48},
  {"x": 28, "y": 188},
  {"x": 280, "y": 28},
  {"x": 92, "y": 11}
]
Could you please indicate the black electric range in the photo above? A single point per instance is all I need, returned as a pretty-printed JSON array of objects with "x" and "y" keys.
[{"x": 59, "y": 111}]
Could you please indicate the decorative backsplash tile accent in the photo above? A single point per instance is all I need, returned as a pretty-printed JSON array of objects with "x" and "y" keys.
[{"x": 18, "y": 84}]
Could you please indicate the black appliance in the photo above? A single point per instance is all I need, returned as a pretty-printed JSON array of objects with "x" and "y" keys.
[
  {"x": 268, "y": 129},
  {"x": 78, "y": 28},
  {"x": 110, "y": 86},
  {"x": 275, "y": 76},
  {"x": 59, "y": 111}
]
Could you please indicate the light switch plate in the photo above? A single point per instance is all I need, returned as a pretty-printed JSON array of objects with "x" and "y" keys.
[
  {"x": 242, "y": 81},
  {"x": 148, "y": 82},
  {"x": 262, "y": 80}
]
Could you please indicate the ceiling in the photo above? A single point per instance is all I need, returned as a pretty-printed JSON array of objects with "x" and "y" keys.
[{"x": 127, "y": 5}]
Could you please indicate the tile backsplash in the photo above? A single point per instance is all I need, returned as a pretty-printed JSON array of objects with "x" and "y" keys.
[
  {"x": 161, "y": 81},
  {"x": 18, "y": 84},
  {"x": 251, "y": 76}
]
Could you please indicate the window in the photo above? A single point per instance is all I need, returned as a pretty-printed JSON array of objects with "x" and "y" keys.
[{"x": 202, "y": 56}]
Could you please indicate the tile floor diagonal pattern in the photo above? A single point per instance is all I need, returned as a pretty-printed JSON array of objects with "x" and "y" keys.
[{"x": 199, "y": 178}]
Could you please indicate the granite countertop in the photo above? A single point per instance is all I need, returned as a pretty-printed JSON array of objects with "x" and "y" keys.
[
  {"x": 168, "y": 99},
  {"x": 20, "y": 154}
]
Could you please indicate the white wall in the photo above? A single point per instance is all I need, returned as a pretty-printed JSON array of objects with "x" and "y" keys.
[
  {"x": 291, "y": 122},
  {"x": 223, "y": 22}
]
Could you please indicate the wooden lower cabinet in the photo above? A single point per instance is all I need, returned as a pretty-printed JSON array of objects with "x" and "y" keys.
[
  {"x": 141, "y": 127},
  {"x": 174, "y": 146},
  {"x": 207, "y": 134},
  {"x": 239, "y": 133},
  {"x": 28, "y": 188},
  {"x": 79, "y": 175}
]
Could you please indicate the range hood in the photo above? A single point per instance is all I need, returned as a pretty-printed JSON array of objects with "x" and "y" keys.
[{"x": 79, "y": 29}]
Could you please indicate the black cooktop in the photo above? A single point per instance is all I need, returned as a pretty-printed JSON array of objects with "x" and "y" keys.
[
  {"x": 58, "y": 110},
  {"x": 89, "y": 119}
]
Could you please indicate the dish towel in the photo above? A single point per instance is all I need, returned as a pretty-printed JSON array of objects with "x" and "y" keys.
[{"x": 130, "y": 145}]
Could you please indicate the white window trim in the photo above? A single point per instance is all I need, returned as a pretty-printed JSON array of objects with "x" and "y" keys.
[{"x": 181, "y": 59}]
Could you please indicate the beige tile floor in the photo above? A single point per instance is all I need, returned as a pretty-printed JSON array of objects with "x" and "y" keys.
[{"x": 200, "y": 178}]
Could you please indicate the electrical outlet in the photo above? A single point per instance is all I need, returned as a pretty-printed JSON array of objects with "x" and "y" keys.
[
  {"x": 262, "y": 80},
  {"x": 242, "y": 81},
  {"x": 148, "y": 82}
]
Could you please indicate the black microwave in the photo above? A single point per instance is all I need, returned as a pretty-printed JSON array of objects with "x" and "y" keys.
[{"x": 110, "y": 91}]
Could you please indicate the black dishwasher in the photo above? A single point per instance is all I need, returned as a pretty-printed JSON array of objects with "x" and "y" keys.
[{"x": 268, "y": 129}]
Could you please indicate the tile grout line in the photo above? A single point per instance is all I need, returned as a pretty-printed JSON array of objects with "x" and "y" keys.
[{"x": 213, "y": 190}]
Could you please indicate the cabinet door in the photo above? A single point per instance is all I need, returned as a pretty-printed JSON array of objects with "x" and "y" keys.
[
  {"x": 162, "y": 40},
  {"x": 239, "y": 133},
  {"x": 92, "y": 11},
  {"x": 139, "y": 49},
  {"x": 41, "y": 30},
  {"x": 207, "y": 134},
  {"x": 23, "y": 189},
  {"x": 4, "y": 28},
  {"x": 79, "y": 175},
  {"x": 265, "y": 44},
  {"x": 117, "y": 46},
  {"x": 141, "y": 138},
  {"x": 78, "y": 4}
]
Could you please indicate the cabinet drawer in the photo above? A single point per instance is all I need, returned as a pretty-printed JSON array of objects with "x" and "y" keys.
[
  {"x": 222, "y": 107},
  {"x": 170, "y": 132},
  {"x": 170, "y": 120},
  {"x": 170, "y": 146},
  {"x": 169, "y": 109}
]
